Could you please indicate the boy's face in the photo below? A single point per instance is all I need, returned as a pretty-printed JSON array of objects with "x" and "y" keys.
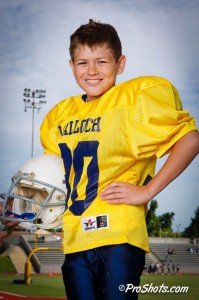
[{"x": 95, "y": 69}]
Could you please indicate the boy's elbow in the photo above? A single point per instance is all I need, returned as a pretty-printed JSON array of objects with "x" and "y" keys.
[
  {"x": 194, "y": 141},
  {"x": 188, "y": 144}
]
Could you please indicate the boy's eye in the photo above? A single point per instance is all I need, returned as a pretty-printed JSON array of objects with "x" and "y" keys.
[
  {"x": 81, "y": 63},
  {"x": 101, "y": 62}
]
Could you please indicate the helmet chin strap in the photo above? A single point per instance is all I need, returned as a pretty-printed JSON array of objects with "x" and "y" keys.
[{"x": 24, "y": 216}]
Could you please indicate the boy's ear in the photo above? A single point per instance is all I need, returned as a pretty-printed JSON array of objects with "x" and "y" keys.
[
  {"x": 71, "y": 65},
  {"x": 121, "y": 64}
]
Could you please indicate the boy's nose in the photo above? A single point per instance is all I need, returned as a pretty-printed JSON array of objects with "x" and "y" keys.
[{"x": 92, "y": 69}]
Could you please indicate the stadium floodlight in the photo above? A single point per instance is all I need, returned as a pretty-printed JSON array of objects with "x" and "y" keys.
[{"x": 33, "y": 104}]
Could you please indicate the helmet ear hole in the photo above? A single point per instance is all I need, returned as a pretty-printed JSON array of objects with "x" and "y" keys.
[{"x": 52, "y": 215}]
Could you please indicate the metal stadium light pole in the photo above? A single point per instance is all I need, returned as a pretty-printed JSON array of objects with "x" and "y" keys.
[
  {"x": 178, "y": 229},
  {"x": 30, "y": 102}
]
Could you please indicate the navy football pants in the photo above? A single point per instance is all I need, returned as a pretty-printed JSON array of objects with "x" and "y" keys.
[{"x": 98, "y": 273}]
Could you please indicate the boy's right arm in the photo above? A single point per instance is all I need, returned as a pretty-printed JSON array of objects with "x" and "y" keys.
[{"x": 48, "y": 133}]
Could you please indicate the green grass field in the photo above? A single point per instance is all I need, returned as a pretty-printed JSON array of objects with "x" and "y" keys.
[
  {"x": 6, "y": 264},
  {"x": 52, "y": 286}
]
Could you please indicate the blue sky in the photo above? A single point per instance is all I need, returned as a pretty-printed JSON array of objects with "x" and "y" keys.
[{"x": 159, "y": 38}]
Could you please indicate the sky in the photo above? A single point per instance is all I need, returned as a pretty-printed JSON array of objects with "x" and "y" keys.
[{"x": 159, "y": 38}]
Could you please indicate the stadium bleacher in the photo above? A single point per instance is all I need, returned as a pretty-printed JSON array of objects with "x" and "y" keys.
[
  {"x": 184, "y": 254},
  {"x": 189, "y": 262}
]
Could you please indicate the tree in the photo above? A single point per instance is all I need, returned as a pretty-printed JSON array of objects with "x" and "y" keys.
[
  {"x": 193, "y": 228},
  {"x": 152, "y": 219},
  {"x": 166, "y": 220},
  {"x": 156, "y": 224}
]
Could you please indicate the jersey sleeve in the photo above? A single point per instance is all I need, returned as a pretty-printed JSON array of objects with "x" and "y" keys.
[
  {"x": 159, "y": 120},
  {"x": 49, "y": 133}
]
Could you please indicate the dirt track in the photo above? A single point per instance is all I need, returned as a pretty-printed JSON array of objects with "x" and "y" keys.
[{"x": 8, "y": 296}]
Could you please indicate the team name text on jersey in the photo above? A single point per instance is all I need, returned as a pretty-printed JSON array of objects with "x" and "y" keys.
[{"x": 79, "y": 126}]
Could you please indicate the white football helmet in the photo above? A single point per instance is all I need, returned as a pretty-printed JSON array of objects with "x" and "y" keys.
[{"x": 38, "y": 194}]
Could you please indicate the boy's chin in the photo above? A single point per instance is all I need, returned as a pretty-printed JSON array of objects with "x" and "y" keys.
[{"x": 93, "y": 97}]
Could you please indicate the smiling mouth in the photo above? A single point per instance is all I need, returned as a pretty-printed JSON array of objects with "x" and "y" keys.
[{"x": 93, "y": 81}]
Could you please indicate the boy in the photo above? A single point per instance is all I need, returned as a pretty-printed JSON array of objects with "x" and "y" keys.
[{"x": 109, "y": 140}]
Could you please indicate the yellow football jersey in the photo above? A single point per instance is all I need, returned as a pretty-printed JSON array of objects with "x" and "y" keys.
[{"x": 116, "y": 137}]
